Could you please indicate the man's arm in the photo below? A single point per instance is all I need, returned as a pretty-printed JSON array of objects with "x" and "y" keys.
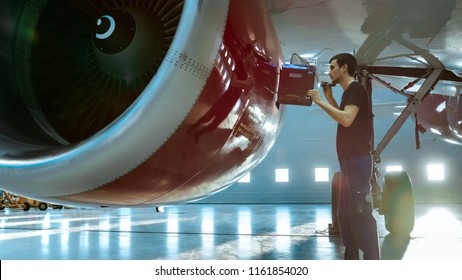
[
  {"x": 329, "y": 96},
  {"x": 344, "y": 117}
]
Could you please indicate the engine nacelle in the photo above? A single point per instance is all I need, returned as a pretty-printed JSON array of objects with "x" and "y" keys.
[
  {"x": 441, "y": 115},
  {"x": 133, "y": 103}
]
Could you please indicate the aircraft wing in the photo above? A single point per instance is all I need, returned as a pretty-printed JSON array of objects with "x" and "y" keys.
[
  {"x": 398, "y": 43},
  {"x": 396, "y": 34}
]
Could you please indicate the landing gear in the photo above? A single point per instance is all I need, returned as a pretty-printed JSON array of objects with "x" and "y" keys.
[
  {"x": 334, "y": 229},
  {"x": 395, "y": 200},
  {"x": 398, "y": 203}
]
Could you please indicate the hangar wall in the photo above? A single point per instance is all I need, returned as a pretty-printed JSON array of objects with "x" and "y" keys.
[{"x": 307, "y": 141}]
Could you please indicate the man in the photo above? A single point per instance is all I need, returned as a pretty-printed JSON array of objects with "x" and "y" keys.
[{"x": 358, "y": 227}]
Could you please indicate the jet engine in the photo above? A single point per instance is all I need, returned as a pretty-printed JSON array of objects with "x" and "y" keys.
[{"x": 132, "y": 103}]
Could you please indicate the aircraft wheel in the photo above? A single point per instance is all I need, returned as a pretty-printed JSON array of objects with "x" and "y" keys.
[
  {"x": 43, "y": 206},
  {"x": 398, "y": 203},
  {"x": 336, "y": 181},
  {"x": 26, "y": 206}
]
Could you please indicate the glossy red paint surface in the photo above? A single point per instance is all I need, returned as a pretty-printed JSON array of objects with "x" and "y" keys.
[
  {"x": 229, "y": 130},
  {"x": 441, "y": 115}
]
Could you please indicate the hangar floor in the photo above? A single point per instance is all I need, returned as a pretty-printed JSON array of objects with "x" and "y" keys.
[{"x": 205, "y": 231}]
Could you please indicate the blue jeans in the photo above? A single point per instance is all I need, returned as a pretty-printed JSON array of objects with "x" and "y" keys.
[{"x": 358, "y": 226}]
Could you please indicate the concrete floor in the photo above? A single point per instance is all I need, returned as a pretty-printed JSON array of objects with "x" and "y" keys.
[{"x": 206, "y": 231}]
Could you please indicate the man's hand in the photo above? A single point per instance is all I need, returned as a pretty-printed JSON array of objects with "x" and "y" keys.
[
  {"x": 344, "y": 117},
  {"x": 327, "y": 89},
  {"x": 314, "y": 95}
]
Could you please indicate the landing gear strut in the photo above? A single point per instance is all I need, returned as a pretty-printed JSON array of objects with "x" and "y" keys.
[{"x": 396, "y": 202}]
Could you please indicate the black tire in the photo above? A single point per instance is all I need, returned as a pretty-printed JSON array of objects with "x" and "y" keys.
[
  {"x": 336, "y": 182},
  {"x": 26, "y": 206},
  {"x": 398, "y": 201},
  {"x": 43, "y": 206}
]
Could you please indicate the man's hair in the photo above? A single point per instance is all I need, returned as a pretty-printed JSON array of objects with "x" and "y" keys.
[{"x": 348, "y": 59}]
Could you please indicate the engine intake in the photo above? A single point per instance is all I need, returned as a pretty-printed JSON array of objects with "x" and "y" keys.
[
  {"x": 88, "y": 87},
  {"x": 87, "y": 61}
]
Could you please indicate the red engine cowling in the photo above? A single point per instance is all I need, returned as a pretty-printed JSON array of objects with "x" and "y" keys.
[
  {"x": 441, "y": 115},
  {"x": 131, "y": 103}
]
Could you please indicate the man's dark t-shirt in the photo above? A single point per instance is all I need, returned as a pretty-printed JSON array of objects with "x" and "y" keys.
[{"x": 356, "y": 139}]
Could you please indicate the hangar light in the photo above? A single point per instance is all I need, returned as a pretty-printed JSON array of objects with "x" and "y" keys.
[
  {"x": 321, "y": 174},
  {"x": 435, "y": 131},
  {"x": 435, "y": 172},
  {"x": 391, "y": 168},
  {"x": 282, "y": 175},
  {"x": 441, "y": 107},
  {"x": 245, "y": 179}
]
